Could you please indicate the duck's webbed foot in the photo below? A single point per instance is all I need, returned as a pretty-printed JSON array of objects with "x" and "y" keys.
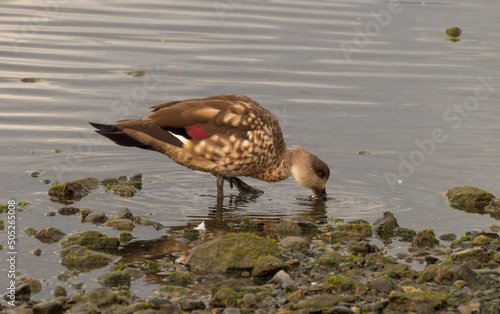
[{"x": 242, "y": 187}]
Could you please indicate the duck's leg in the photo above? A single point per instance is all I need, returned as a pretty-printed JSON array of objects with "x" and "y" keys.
[
  {"x": 242, "y": 187},
  {"x": 220, "y": 186}
]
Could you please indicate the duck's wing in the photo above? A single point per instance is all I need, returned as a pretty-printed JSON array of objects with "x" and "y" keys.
[{"x": 227, "y": 134}]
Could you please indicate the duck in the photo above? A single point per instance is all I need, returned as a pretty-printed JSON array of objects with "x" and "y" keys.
[{"x": 228, "y": 135}]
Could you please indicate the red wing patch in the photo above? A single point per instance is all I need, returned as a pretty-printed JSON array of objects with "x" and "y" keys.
[{"x": 196, "y": 132}]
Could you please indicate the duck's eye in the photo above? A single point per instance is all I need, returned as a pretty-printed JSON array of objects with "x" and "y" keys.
[{"x": 321, "y": 174}]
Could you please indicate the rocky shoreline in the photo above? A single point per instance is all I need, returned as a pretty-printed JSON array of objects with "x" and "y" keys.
[{"x": 294, "y": 266}]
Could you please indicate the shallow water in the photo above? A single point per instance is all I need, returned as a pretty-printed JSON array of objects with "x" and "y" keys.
[{"x": 341, "y": 76}]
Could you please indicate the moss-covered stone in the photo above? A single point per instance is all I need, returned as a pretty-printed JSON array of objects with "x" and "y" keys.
[
  {"x": 454, "y": 32},
  {"x": 330, "y": 259},
  {"x": 425, "y": 239},
  {"x": 92, "y": 240},
  {"x": 73, "y": 190},
  {"x": 225, "y": 297},
  {"x": 287, "y": 228},
  {"x": 233, "y": 251},
  {"x": 180, "y": 278},
  {"x": 101, "y": 297},
  {"x": 50, "y": 235},
  {"x": 119, "y": 278},
  {"x": 267, "y": 266},
  {"x": 342, "y": 284},
  {"x": 437, "y": 273},
  {"x": 417, "y": 301},
  {"x": 77, "y": 257},
  {"x": 469, "y": 199},
  {"x": 173, "y": 291}
]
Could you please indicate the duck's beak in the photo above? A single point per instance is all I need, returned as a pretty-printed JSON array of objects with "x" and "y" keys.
[{"x": 321, "y": 194}]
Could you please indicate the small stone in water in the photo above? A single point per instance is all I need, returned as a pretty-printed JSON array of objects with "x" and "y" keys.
[{"x": 454, "y": 32}]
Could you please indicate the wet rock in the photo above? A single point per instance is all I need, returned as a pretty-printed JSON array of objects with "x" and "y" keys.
[
  {"x": 340, "y": 309},
  {"x": 481, "y": 240},
  {"x": 267, "y": 266},
  {"x": 37, "y": 252},
  {"x": 68, "y": 210},
  {"x": 283, "y": 279},
  {"x": 361, "y": 247},
  {"x": 287, "y": 228},
  {"x": 295, "y": 243},
  {"x": 382, "y": 284},
  {"x": 295, "y": 296},
  {"x": 80, "y": 258},
  {"x": 233, "y": 251},
  {"x": 307, "y": 227},
  {"x": 448, "y": 237},
  {"x": 92, "y": 240},
  {"x": 144, "y": 220},
  {"x": 60, "y": 291},
  {"x": 464, "y": 272},
  {"x": 469, "y": 199},
  {"x": 405, "y": 234},
  {"x": 96, "y": 218},
  {"x": 50, "y": 235},
  {"x": 386, "y": 224},
  {"x": 375, "y": 307},
  {"x": 48, "y": 307},
  {"x": 85, "y": 308},
  {"x": 493, "y": 208},
  {"x": 22, "y": 292},
  {"x": 342, "y": 284},
  {"x": 225, "y": 297},
  {"x": 120, "y": 224},
  {"x": 115, "y": 279},
  {"x": 321, "y": 301},
  {"x": 101, "y": 297},
  {"x": 437, "y": 273},
  {"x": 122, "y": 213},
  {"x": 331, "y": 259},
  {"x": 454, "y": 32},
  {"x": 180, "y": 278},
  {"x": 191, "y": 234},
  {"x": 477, "y": 254},
  {"x": 189, "y": 305},
  {"x": 425, "y": 239},
  {"x": 73, "y": 190},
  {"x": 417, "y": 301}
]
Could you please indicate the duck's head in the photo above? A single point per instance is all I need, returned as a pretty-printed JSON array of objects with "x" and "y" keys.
[{"x": 310, "y": 171}]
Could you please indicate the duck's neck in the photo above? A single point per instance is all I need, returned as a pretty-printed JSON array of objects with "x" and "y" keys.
[{"x": 280, "y": 169}]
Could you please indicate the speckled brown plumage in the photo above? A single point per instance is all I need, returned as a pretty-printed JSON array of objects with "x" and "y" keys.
[{"x": 229, "y": 135}]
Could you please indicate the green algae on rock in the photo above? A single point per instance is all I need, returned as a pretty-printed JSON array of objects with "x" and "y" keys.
[
  {"x": 92, "y": 240},
  {"x": 233, "y": 251},
  {"x": 68, "y": 192},
  {"x": 469, "y": 199},
  {"x": 425, "y": 239},
  {"x": 78, "y": 257},
  {"x": 454, "y": 32}
]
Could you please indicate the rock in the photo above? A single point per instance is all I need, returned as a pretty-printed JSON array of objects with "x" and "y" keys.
[
  {"x": 123, "y": 213},
  {"x": 437, "y": 273},
  {"x": 331, "y": 259},
  {"x": 120, "y": 224},
  {"x": 340, "y": 284},
  {"x": 295, "y": 243},
  {"x": 101, "y": 297},
  {"x": 478, "y": 254},
  {"x": 85, "y": 308},
  {"x": 287, "y": 228},
  {"x": 73, "y": 190},
  {"x": 60, "y": 291},
  {"x": 22, "y": 292},
  {"x": 180, "y": 278},
  {"x": 493, "y": 208},
  {"x": 296, "y": 296},
  {"x": 80, "y": 258},
  {"x": 387, "y": 223},
  {"x": 382, "y": 283},
  {"x": 189, "y": 305},
  {"x": 35, "y": 284},
  {"x": 267, "y": 266},
  {"x": 92, "y": 240},
  {"x": 320, "y": 301},
  {"x": 144, "y": 220},
  {"x": 225, "y": 297},
  {"x": 465, "y": 273},
  {"x": 425, "y": 239},
  {"x": 361, "y": 247},
  {"x": 283, "y": 279},
  {"x": 448, "y": 237},
  {"x": 340, "y": 309},
  {"x": 49, "y": 235},
  {"x": 96, "y": 218},
  {"x": 481, "y": 240},
  {"x": 469, "y": 199},
  {"x": 115, "y": 279},
  {"x": 405, "y": 234},
  {"x": 417, "y": 301},
  {"x": 233, "y": 251},
  {"x": 68, "y": 210},
  {"x": 48, "y": 307},
  {"x": 464, "y": 309}
]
